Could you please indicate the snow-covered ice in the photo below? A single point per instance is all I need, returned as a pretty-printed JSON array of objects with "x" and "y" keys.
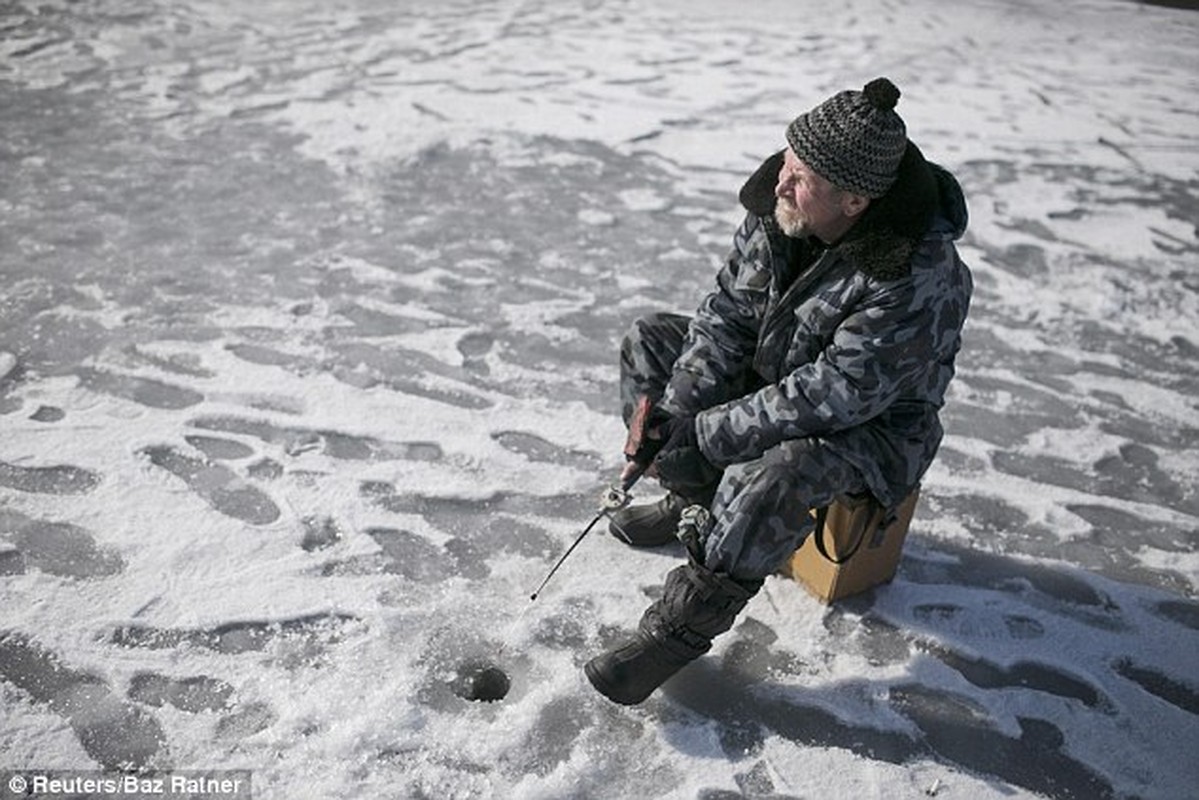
[{"x": 308, "y": 341}]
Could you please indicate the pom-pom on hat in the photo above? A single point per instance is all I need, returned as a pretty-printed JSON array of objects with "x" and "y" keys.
[{"x": 855, "y": 140}]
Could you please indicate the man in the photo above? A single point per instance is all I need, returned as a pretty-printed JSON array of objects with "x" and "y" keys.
[{"x": 815, "y": 368}]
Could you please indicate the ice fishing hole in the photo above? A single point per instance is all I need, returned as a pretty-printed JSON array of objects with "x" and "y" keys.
[{"x": 481, "y": 681}]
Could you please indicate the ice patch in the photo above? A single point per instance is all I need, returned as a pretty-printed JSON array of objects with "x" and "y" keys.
[
  {"x": 597, "y": 218},
  {"x": 644, "y": 200},
  {"x": 8, "y": 363}
]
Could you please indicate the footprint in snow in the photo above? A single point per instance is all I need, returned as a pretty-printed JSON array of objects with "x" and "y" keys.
[
  {"x": 551, "y": 740},
  {"x": 296, "y": 441},
  {"x": 977, "y": 623},
  {"x": 48, "y": 414},
  {"x": 1024, "y": 675},
  {"x": 55, "y": 548},
  {"x": 407, "y": 554},
  {"x": 61, "y": 479},
  {"x": 218, "y": 485},
  {"x": 220, "y": 449},
  {"x": 116, "y": 734},
  {"x": 537, "y": 449},
  {"x": 245, "y": 721},
  {"x": 143, "y": 391},
  {"x": 1180, "y": 612},
  {"x": 303, "y": 638},
  {"x": 1159, "y": 685},
  {"x": 970, "y": 568},
  {"x": 958, "y": 730},
  {"x": 193, "y": 695},
  {"x": 200, "y": 694},
  {"x": 952, "y": 727}
]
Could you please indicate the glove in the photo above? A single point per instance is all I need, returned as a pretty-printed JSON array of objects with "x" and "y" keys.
[
  {"x": 645, "y": 433},
  {"x": 680, "y": 465}
]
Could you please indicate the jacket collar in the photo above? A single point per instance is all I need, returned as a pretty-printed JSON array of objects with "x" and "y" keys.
[{"x": 883, "y": 240}]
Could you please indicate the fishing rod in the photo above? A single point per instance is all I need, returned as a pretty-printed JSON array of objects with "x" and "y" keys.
[
  {"x": 617, "y": 496},
  {"x": 614, "y": 498},
  {"x": 483, "y": 679}
]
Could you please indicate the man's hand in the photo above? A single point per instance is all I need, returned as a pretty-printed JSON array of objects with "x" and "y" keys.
[
  {"x": 680, "y": 464},
  {"x": 645, "y": 433}
]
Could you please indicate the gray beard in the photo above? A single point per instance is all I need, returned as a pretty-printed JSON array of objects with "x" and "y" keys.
[{"x": 787, "y": 217}]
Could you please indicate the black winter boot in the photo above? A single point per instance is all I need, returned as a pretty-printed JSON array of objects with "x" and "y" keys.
[
  {"x": 651, "y": 525},
  {"x": 696, "y": 606}
]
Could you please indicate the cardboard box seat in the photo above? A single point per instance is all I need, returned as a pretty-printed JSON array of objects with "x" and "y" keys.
[{"x": 854, "y": 546}]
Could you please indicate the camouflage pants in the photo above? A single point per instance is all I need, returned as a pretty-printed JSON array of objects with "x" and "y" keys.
[{"x": 760, "y": 514}]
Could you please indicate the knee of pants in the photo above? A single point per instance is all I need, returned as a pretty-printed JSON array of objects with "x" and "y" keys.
[
  {"x": 801, "y": 468},
  {"x": 647, "y": 355},
  {"x": 756, "y": 488},
  {"x": 761, "y": 511},
  {"x": 756, "y": 525},
  {"x": 654, "y": 330}
]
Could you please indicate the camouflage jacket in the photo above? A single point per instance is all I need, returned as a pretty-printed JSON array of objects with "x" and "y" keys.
[{"x": 854, "y": 344}]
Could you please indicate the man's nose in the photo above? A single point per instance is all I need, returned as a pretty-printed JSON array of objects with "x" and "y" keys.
[{"x": 782, "y": 186}]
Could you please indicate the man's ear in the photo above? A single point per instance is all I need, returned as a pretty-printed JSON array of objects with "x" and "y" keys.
[{"x": 853, "y": 204}]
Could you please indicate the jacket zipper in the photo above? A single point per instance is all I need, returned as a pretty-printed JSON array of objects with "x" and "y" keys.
[{"x": 803, "y": 282}]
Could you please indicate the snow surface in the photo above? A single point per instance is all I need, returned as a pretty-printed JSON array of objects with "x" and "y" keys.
[{"x": 307, "y": 376}]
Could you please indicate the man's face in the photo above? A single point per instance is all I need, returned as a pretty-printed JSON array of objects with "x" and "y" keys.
[{"x": 808, "y": 205}]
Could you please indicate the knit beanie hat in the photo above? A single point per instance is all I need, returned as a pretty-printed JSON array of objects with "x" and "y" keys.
[{"x": 854, "y": 140}]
